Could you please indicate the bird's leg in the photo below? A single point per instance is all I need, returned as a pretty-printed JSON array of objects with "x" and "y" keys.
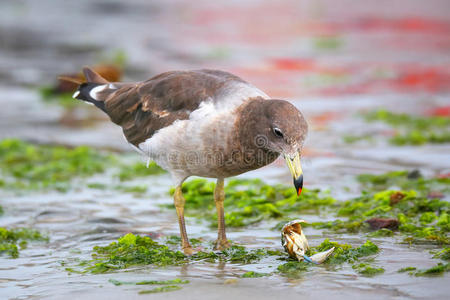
[
  {"x": 179, "y": 206},
  {"x": 219, "y": 196}
]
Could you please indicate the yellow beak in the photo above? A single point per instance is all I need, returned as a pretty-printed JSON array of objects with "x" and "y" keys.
[{"x": 295, "y": 167}]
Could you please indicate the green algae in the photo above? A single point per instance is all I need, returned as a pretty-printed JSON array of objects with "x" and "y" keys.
[
  {"x": 409, "y": 129},
  {"x": 421, "y": 215},
  {"x": 25, "y": 166},
  {"x": 162, "y": 289},
  {"x": 437, "y": 270},
  {"x": 343, "y": 253},
  {"x": 351, "y": 139},
  {"x": 443, "y": 254},
  {"x": 131, "y": 250},
  {"x": 367, "y": 270},
  {"x": 414, "y": 122},
  {"x": 383, "y": 232},
  {"x": 135, "y": 250},
  {"x": 252, "y": 274},
  {"x": 294, "y": 269},
  {"x": 149, "y": 282},
  {"x": 139, "y": 169},
  {"x": 405, "y": 180},
  {"x": 407, "y": 269},
  {"x": 28, "y": 166},
  {"x": 49, "y": 95},
  {"x": 235, "y": 254},
  {"x": 97, "y": 186},
  {"x": 419, "y": 218},
  {"x": 11, "y": 240},
  {"x": 134, "y": 189},
  {"x": 175, "y": 240},
  {"x": 413, "y": 130},
  {"x": 328, "y": 42},
  {"x": 250, "y": 201}
]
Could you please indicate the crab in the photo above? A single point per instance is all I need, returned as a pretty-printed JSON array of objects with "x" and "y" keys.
[{"x": 296, "y": 245}]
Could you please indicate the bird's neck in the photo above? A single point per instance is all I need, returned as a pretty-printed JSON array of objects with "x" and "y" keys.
[{"x": 250, "y": 144}]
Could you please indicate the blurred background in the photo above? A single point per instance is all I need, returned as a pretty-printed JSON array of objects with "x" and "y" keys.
[
  {"x": 331, "y": 59},
  {"x": 370, "y": 77}
]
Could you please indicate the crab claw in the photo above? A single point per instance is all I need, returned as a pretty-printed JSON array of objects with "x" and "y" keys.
[
  {"x": 295, "y": 243},
  {"x": 320, "y": 257},
  {"x": 293, "y": 239}
]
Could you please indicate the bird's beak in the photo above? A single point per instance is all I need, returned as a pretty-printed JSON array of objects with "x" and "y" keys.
[{"x": 296, "y": 170}]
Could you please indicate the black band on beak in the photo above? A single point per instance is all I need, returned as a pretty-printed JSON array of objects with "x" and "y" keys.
[
  {"x": 295, "y": 168},
  {"x": 298, "y": 183}
]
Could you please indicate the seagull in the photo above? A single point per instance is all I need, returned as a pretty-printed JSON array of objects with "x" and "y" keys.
[{"x": 206, "y": 123}]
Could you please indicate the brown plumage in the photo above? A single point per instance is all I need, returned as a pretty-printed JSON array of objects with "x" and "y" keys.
[{"x": 143, "y": 108}]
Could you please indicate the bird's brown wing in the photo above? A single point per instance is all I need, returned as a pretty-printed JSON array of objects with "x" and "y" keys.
[{"x": 143, "y": 108}]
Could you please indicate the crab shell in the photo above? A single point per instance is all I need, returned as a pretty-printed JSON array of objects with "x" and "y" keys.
[
  {"x": 293, "y": 239},
  {"x": 295, "y": 243}
]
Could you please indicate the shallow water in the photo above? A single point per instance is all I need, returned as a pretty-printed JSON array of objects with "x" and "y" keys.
[{"x": 173, "y": 35}]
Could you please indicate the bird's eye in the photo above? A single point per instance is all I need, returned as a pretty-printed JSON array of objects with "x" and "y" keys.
[{"x": 278, "y": 132}]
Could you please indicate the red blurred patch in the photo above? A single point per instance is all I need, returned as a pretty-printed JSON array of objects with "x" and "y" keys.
[
  {"x": 443, "y": 111},
  {"x": 293, "y": 64},
  {"x": 325, "y": 117},
  {"x": 429, "y": 79},
  {"x": 408, "y": 24}
]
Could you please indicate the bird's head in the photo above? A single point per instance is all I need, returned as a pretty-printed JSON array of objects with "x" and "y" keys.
[{"x": 278, "y": 126}]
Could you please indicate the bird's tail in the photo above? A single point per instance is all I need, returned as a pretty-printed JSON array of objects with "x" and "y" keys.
[{"x": 91, "y": 90}]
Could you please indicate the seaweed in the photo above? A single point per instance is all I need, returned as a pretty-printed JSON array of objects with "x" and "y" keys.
[
  {"x": 28, "y": 166},
  {"x": 11, "y": 240},
  {"x": 408, "y": 129},
  {"x": 444, "y": 254},
  {"x": 437, "y": 270},
  {"x": 407, "y": 269},
  {"x": 294, "y": 269},
  {"x": 328, "y": 42},
  {"x": 162, "y": 289},
  {"x": 130, "y": 250},
  {"x": 419, "y": 216},
  {"x": 50, "y": 95},
  {"x": 250, "y": 201},
  {"x": 135, "y": 189},
  {"x": 367, "y": 270},
  {"x": 343, "y": 253},
  {"x": 404, "y": 180},
  {"x": 234, "y": 254},
  {"x": 383, "y": 232},
  {"x": 135, "y": 250},
  {"x": 149, "y": 282},
  {"x": 413, "y": 130},
  {"x": 414, "y": 122},
  {"x": 252, "y": 274},
  {"x": 139, "y": 170}
]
